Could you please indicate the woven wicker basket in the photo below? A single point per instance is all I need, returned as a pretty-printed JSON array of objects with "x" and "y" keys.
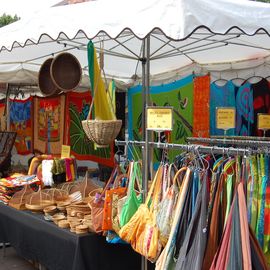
[
  {"x": 18, "y": 199},
  {"x": 102, "y": 132}
]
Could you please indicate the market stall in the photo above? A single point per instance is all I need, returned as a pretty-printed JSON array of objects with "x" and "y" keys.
[{"x": 150, "y": 43}]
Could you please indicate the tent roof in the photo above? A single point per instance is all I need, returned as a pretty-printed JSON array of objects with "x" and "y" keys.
[{"x": 218, "y": 35}]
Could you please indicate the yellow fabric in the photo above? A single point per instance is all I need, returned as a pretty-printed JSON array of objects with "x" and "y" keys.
[{"x": 102, "y": 106}]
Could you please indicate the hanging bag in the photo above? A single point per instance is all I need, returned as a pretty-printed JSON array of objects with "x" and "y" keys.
[
  {"x": 128, "y": 205},
  {"x": 97, "y": 205},
  {"x": 108, "y": 202},
  {"x": 166, "y": 208},
  {"x": 165, "y": 258},
  {"x": 141, "y": 231}
]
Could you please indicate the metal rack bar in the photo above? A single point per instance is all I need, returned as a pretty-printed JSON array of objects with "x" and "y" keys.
[
  {"x": 200, "y": 148},
  {"x": 251, "y": 138},
  {"x": 213, "y": 141}
]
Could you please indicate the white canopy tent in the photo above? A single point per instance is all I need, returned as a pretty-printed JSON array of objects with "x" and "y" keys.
[
  {"x": 170, "y": 38},
  {"x": 184, "y": 36}
]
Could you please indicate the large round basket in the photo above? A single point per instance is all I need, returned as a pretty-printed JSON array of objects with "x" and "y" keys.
[
  {"x": 66, "y": 71},
  {"x": 45, "y": 82},
  {"x": 102, "y": 132}
]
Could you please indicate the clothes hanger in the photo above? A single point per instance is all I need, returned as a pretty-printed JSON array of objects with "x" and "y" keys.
[
  {"x": 220, "y": 80},
  {"x": 254, "y": 76}
]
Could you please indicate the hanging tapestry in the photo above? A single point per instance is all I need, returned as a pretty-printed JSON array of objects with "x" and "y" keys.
[
  {"x": 178, "y": 94},
  {"x": 261, "y": 104},
  {"x": 244, "y": 110},
  {"x": 221, "y": 96},
  {"x": 49, "y": 124},
  {"x": 21, "y": 115},
  {"x": 2, "y": 117},
  {"x": 201, "y": 106},
  {"x": 77, "y": 108}
]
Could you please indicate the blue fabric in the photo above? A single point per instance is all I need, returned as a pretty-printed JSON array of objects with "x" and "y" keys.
[
  {"x": 220, "y": 96},
  {"x": 244, "y": 110},
  {"x": 195, "y": 188}
]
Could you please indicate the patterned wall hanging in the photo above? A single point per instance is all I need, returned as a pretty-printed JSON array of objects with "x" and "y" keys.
[
  {"x": 21, "y": 121},
  {"x": 49, "y": 124},
  {"x": 178, "y": 94},
  {"x": 77, "y": 108}
]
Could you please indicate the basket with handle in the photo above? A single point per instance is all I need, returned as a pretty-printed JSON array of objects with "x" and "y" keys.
[
  {"x": 101, "y": 132},
  {"x": 37, "y": 201},
  {"x": 18, "y": 199}
]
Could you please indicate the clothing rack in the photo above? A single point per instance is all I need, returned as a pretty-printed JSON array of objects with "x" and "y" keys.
[
  {"x": 214, "y": 141},
  {"x": 196, "y": 147}
]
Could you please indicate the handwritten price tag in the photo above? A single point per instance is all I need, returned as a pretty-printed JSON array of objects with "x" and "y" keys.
[
  {"x": 225, "y": 118},
  {"x": 65, "y": 151},
  {"x": 263, "y": 121},
  {"x": 159, "y": 118}
]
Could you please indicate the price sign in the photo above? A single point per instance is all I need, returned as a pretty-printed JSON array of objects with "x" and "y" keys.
[
  {"x": 159, "y": 118},
  {"x": 65, "y": 151},
  {"x": 263, "y": 121},
  {"x": 225, "y": 118}
]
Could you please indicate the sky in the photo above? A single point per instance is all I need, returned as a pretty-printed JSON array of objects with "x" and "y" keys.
[{"x": 24, "y": 8}]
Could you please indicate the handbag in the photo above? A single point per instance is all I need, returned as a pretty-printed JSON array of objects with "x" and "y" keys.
[
  {"x": 165, "y": 257},
  {"x": 141, "y": 231},
  {"x": 166, "y": 208},
  {"x": 97, "y": 205},
  {"x": 128, "y": 205},
  {"x": 108, "y": 203}
]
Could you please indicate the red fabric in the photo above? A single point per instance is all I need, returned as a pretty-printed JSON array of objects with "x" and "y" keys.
[{"x": 201, "y": 121}]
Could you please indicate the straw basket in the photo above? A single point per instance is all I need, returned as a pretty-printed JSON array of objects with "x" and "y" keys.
[
  {"x": 45, "y": 82},
  {"x": 66, "y": 71},
  {"x": 102, "y": 132}
]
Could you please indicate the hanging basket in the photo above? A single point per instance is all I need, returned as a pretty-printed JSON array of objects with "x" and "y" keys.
[
  {"x": 102, "y": 132},
  {"x": 66, "y": 71},
  {"x": 45, "y": 82}
]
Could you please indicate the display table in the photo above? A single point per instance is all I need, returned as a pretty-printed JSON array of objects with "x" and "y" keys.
[{"x": 56, "y": 249}]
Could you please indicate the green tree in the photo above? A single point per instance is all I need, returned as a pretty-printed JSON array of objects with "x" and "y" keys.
[{"x": 7, "y": 19}]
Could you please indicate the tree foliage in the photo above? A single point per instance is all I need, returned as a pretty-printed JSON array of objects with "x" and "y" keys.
[{"x": 6, "y": 19}]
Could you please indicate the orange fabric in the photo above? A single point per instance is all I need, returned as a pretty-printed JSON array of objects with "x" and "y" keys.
[
  {"x": 108, "y": 203},
  {"x": 201, "y": 121}
]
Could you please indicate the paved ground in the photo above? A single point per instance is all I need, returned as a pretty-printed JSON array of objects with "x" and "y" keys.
[{"x": 12, "y": 261}]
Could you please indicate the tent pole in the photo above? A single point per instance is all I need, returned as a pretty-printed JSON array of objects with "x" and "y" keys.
[{"x": 145, "y": 96}]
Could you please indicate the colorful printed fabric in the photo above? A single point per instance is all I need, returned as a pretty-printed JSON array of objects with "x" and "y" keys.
[
  {"x": 3, "y": 123},
  {"x": 263, "y": 161},
  {"x": 77, "y": 109},
  {"x": 49, "y": 124},
  {"x": 253, "y": 193},
  {"x": 178, "y": 94},
  {"x": 201, "y": 118},
  {"x": 266, "y": 242},
  {"x": 221, "y": 96},
  {"x": 21, "y": 115},
  {"x": 261, "y": 104},
  {"x": 244, "y": 110}
]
